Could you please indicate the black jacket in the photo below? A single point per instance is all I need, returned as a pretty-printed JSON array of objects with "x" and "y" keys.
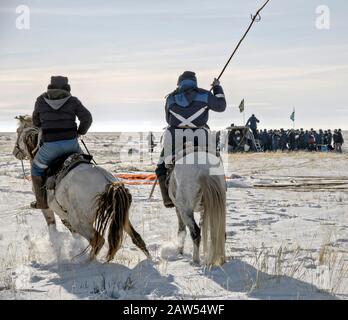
[
  {"x": 339, "y": 137},
  {"x": 252, "y": 122},
  {"x": 55, "y": 113}
]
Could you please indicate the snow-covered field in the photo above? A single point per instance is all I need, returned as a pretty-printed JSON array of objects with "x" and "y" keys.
[{"x": 287, "y": 234}]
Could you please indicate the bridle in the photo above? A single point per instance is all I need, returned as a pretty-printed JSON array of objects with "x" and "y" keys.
[{"x": 19, "y": 151}]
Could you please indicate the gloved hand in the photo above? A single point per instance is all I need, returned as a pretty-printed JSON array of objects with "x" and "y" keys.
[{"x": 215, "y": 83}]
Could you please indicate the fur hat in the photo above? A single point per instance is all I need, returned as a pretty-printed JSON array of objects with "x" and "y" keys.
[{"x": 59, "y": 82}]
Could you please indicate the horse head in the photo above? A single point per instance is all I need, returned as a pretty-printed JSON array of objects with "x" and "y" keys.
[{"x": 27, "y": 138}]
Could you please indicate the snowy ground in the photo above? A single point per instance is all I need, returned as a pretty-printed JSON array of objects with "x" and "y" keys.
[{"x": 287, "y": 234}]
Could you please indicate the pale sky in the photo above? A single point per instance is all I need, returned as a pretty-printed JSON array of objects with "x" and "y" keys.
[{"x": 123, "y": 57}]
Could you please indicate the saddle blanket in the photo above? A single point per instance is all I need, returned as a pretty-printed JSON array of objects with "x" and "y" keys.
[{"x": 62, "y": 166}]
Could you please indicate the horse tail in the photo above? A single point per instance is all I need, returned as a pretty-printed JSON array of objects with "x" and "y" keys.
[
  {"x": 112, "y": 210},
  {"x": 214, "y": 219}
]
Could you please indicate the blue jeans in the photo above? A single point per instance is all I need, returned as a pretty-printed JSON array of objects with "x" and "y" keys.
[{"x": 50, "y": 151}]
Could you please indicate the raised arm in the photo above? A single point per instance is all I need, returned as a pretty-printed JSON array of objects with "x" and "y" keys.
[{"x": 216, "y": 100}]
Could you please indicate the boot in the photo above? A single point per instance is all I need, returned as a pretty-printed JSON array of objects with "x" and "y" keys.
[
  {"x": 164, "y": 191},
  {"x": 40, "y": 193}
]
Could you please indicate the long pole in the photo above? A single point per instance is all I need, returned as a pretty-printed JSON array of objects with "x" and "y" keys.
[
  {"x": 153, "y": 188},
  {"x": 254, "y": 18}
]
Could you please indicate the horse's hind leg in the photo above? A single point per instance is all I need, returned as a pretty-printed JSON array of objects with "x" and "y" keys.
[
  {"x": 50, "y": 219},
  {"x": 68, "y": 225},
  {"x": 195, "y": 232},
  {"x": 96, "y": 244},
  {"x": 181, "y": 233},
  {"x": 136, "y": 238}
]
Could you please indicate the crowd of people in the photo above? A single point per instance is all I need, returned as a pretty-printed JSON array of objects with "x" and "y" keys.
[
  {"x": 294, "y": 139},
  {"x": 290, "y": 139}
]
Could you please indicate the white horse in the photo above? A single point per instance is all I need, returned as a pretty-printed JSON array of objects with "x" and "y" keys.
[
  {"x": 89, "y": 200},
  {"x": 197, "y": 183}
]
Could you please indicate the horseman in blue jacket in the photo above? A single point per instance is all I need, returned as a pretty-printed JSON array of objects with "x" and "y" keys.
[{"x": 187, "y": 110}]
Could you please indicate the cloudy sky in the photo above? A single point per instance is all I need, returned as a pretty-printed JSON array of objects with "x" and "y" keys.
[{"x": 123, "y": 57}]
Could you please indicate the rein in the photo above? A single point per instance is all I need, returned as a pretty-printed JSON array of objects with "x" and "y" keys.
[
  {"x": 24, "y": 175},
  {"x": 88, "y": 151}
]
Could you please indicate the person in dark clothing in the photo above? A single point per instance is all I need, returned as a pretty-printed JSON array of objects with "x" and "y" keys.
[
  {"x": 55, "y": 114},
  {"x": 257, "y": 136},
  {"x": 306, "y": 140},
  {"x": 151, "y": 142},
  {"x": 340, "y": 136},
  {"x": 301, "y": 140},
  {"x": 282, "y": 140},
  {"x": 338, "y": 140},
  {"x": 231, "y": 143},
  {"x": 335, "y": 138},
  {"x": 312, "y": 141},
  {"x": 270, "y": 140},
  {"x": 319, "y": 139},
  {"x": 187, "y": 110},
  {"x": 252, "y": 123},
  {"x": 329, "y": 140},
  {"x": 264, "y": 140},
  {"x": 275, "y": 140},
  {"x": 237, "y": 138},
  {"x": 292, "y": 140}
]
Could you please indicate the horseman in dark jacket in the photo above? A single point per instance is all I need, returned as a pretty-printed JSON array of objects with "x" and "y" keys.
[
  {"x": 55, "y": 114},
  {"x": 187, "y": 110}
]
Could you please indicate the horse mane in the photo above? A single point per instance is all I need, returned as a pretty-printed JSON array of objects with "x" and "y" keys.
[
  {"x": 31, "y": 140},
  {"x": 30, "y": 134},
  {"x": 25, "y": 121}
]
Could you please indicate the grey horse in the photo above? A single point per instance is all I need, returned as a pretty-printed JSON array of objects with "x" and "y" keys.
[
  {"x": 89, "y": 200},
  {"x": 197, "y": 184}
]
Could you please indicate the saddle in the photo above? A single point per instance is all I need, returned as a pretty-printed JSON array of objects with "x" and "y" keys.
[
  {"x": 61, "y": 166},
  {"x": 179, "y": 154}
]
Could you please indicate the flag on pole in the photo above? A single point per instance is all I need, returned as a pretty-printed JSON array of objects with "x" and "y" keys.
[
  {"x": 292, "y": 117},
  {"x": 241, "y": 106}
]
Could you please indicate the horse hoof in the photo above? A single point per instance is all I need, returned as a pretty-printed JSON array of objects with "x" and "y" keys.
[
  {"x": 52, "y": 227},
  {"x": 195, "y": 263}
]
